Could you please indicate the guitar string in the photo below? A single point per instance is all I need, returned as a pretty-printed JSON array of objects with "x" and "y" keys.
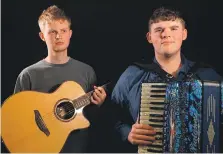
[
  {"x": 68, "y": 107},
  {"x": 88, "y": 95}
]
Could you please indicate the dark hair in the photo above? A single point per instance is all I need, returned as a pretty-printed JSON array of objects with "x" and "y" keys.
[{"x": 165, "y": 14}]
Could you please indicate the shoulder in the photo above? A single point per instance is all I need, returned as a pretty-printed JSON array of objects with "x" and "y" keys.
[
  {"x": 131, "y": 72},
  {"x": 136, "y": 70},
  {"x": 207, "y": 72},
  {"x": 86, "y": 73},
  {"x": 130, "y": 76},
  {"x": 29, "y": 69},
  {"x": 82, "y": 65}
]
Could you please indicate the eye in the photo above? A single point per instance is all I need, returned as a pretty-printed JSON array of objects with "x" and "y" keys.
[
  {"x": 174, "y": 28},
  {"x": 158, "y": 30},
  {"x": 64, "y": 30},
  {"x": 53, "y": 32}
]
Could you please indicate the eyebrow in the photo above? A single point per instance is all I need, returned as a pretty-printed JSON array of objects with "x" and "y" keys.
[
  {"x": 60, "y": 29},
  {"x": 174, "y": 26},
  {"x": 65, "y": 28},
  {"x": 51, "y": 30}
]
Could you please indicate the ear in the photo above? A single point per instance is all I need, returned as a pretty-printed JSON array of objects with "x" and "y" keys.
[
  {"x": 148, "y": 36},
  {"x": 41, "y": 36},
  {"x": 71, "y": 32},
  {"x": 185, "y": 34}
]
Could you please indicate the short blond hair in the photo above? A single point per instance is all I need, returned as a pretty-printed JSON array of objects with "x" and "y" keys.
[{"x": 52, "y": 13}]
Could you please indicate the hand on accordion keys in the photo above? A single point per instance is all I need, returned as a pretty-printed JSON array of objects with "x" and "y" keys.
[{"x": 141, "y": 134}]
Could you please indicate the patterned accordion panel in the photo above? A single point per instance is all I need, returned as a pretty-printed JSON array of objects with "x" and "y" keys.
[{"x": 185, "y": 115}]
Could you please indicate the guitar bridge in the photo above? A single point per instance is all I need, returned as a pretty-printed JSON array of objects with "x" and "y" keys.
[{"x": 40, "y": 123}]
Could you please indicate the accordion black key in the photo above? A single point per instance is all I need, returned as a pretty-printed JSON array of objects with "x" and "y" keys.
[{"x": 186, "y": 116}]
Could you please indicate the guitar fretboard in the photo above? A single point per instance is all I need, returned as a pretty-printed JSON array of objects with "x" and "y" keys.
[{"x": 85, "y": 99}]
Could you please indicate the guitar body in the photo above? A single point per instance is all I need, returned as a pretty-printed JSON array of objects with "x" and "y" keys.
[{"x": 34, "y": 121}]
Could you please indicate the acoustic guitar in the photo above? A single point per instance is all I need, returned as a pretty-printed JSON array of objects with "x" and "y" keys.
[{"x": 37, "y": 122}]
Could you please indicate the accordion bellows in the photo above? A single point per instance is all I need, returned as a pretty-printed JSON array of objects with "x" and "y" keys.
[{"x": 185, "y": 114}]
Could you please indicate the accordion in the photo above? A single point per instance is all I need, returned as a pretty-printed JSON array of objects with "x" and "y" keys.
[{"x": 186, "y": 116}]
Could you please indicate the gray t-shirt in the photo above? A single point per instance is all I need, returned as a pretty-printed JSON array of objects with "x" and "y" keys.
[{"x": 45, "y": 77}]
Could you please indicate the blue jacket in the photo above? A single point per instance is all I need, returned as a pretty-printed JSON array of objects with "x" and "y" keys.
[{"x": 126, "y": 93}]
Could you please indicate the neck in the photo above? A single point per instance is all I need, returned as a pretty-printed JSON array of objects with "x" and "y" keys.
[
  {"x": 170, "y": 64},
  {"x": 57, "y": 57}
]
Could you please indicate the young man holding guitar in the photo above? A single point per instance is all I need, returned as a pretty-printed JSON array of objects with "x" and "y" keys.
[{"x": 55, "y": 75}]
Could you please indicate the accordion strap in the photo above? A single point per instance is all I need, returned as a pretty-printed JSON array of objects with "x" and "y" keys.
[
  {"x": 193, "y": 71},
  {"x": 154, "y": 67}
]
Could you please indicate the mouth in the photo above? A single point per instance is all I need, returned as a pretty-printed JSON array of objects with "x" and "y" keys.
[
  {"x": 167, "y": 42},
  {"x": 59, "y": 43}
]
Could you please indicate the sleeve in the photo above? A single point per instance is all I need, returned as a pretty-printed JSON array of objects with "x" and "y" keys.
[
  {"x": 119, "y": 97},
  {"x": 92, "y": 79},
  {"x": 23, "y": 82}
]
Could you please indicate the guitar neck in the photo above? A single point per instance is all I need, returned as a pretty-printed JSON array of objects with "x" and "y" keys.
[{"x": 85, "y": 99}]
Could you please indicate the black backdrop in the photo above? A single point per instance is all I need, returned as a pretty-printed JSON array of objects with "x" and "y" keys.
[{"x": 108, "y": 35}]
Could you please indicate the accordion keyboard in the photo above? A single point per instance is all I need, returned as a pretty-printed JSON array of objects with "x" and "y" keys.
[{"x": 151, "y": 113}]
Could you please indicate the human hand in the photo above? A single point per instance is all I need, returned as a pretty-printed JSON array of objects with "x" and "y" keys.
[
  {"x": 141, "y": 134},
  {"x": 98, "y": 95}
]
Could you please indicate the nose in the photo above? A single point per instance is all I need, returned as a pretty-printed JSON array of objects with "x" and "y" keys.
[
  {"x": 165, "y": 33},
  {"x": 58, "y": 36}
]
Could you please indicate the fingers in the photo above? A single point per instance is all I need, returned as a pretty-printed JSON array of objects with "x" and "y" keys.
[
  {"x": 141, "y": 142},
  {"x": 142, "y": 126},
  {"x": 141, "y": 134},
  {"x": 142, "y": 129},
  {"x": 100, "y": 89},
  {"x": 94, "y": 101},
  {"x": 142, "y": 137},
  {"x": 144, "y": 132},
  {"x": 98, "y": 95}
]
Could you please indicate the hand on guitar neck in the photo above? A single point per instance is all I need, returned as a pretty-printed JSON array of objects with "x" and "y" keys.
[{"x": 98, "y": 95}]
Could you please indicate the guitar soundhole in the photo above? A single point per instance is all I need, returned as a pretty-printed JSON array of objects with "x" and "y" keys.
[{"x": 65, "y": 110}]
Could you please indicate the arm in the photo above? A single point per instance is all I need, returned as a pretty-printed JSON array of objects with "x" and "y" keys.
[
  {"x": 130, "y": 131},
  {"x": 134, "y": 133},
  {"x": 119, "y": 98},
  {"x": 99, "y": 94}
]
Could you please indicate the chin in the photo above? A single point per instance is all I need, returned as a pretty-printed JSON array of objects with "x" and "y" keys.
[
  {"x": 60, "y": 49},
  {"x": 168, "y": 55}
]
